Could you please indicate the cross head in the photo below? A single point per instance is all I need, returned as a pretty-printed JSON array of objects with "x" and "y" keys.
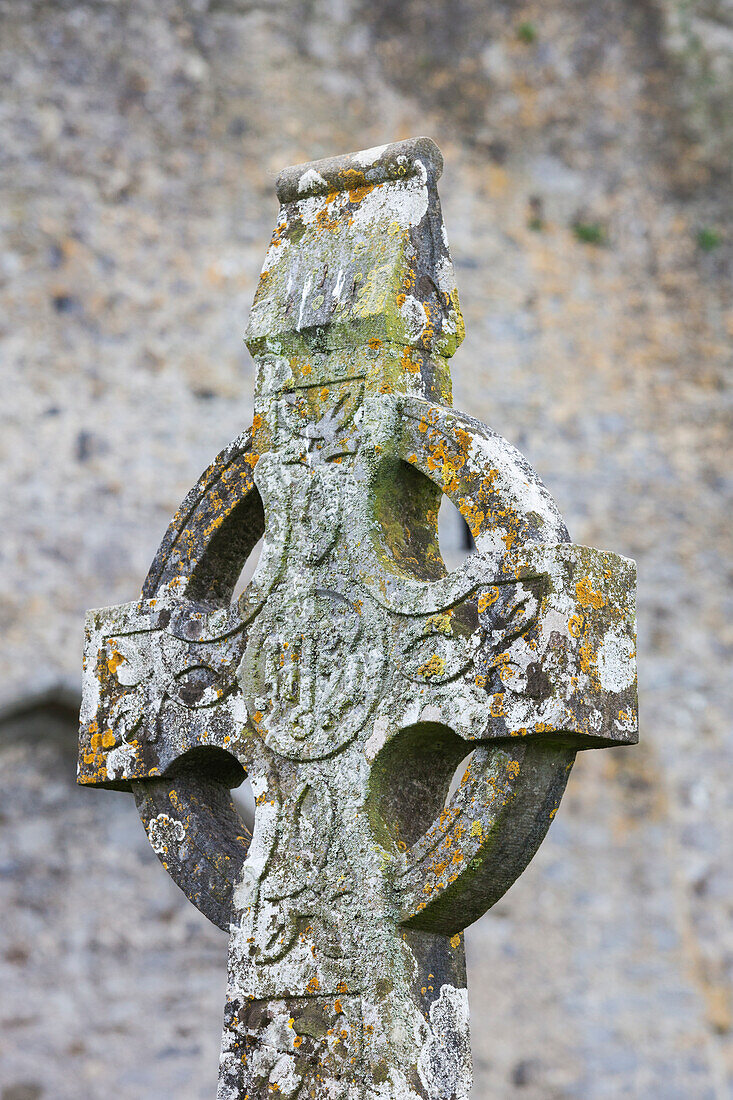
[{"x": 355, "y": 674}]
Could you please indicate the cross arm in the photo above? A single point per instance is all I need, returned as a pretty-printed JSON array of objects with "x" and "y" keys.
[
  {"x": 571, "y": 671},
  {"x": 158, "y": 683},
  {"x": 544, "y": 648},
  {"x": 532, "y": 636}
]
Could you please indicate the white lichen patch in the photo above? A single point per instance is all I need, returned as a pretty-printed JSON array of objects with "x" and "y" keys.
[
  {"x": 309, "y": 179},
  {"x": 415, "y": 315},
  {"x": 616, "y": 667},
  {"x": 166, "y": 834},
  {"x": 119, "y": 762},
  {"x": 368, "y": 157},
  {"x": 377, "y": 739},
  {"x": 445, "y": 1060},
  {"x": 403, "y": 204}
]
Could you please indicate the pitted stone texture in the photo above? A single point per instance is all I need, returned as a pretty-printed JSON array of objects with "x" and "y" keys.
[{"x": 354, "y": 672}]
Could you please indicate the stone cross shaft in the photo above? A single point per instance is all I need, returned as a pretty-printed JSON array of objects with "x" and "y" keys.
[{"x": 355, "y": 674}]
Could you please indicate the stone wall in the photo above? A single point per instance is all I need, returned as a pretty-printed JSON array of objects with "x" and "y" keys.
[
  {"x": 698, "y": 40},
  {"x": 585, "y": 196}
]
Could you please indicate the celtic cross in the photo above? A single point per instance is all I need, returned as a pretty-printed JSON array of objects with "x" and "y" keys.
[{"x": 355, "y": 673}]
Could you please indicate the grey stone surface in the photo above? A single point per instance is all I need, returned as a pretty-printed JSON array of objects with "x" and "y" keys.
[
  {"x": 697, "y": 39},
  {"x": 140, "y": 147}
]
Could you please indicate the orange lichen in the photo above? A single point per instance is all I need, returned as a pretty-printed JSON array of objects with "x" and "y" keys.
[
  {"x": 587, "y": 596},
  {"x": 486, "y": 599},
  {"x": 359, "y": 193},
  {"x": 472, "y": 515},
  {"x": 496, "y": 709},
  {"x": 114, "y": 661},
  {"x": 575, "y": 625},
  {"x": 408, "y": 363},
  {"x": 587, "y": 657}
]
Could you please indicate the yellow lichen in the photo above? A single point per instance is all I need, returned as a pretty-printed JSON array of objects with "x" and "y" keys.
[{"x": 435, "y": 666}]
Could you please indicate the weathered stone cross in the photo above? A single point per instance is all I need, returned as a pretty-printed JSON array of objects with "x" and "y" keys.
[{"x": 355, "y": 673}]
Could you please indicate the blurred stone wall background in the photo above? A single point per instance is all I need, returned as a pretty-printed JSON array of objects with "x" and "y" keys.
[{"x": 586, "y": 193}]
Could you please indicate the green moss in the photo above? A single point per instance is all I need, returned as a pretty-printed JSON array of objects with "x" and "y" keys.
[
  {"x": 313, "y": 1023},
  {"x": 708, "y": 239},
  {"x": 590, "y": 232},
  {"x": 380, "y": 1073},
  {"x": 527, "y": 33},
  {"x": 384, "y": 987}
]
